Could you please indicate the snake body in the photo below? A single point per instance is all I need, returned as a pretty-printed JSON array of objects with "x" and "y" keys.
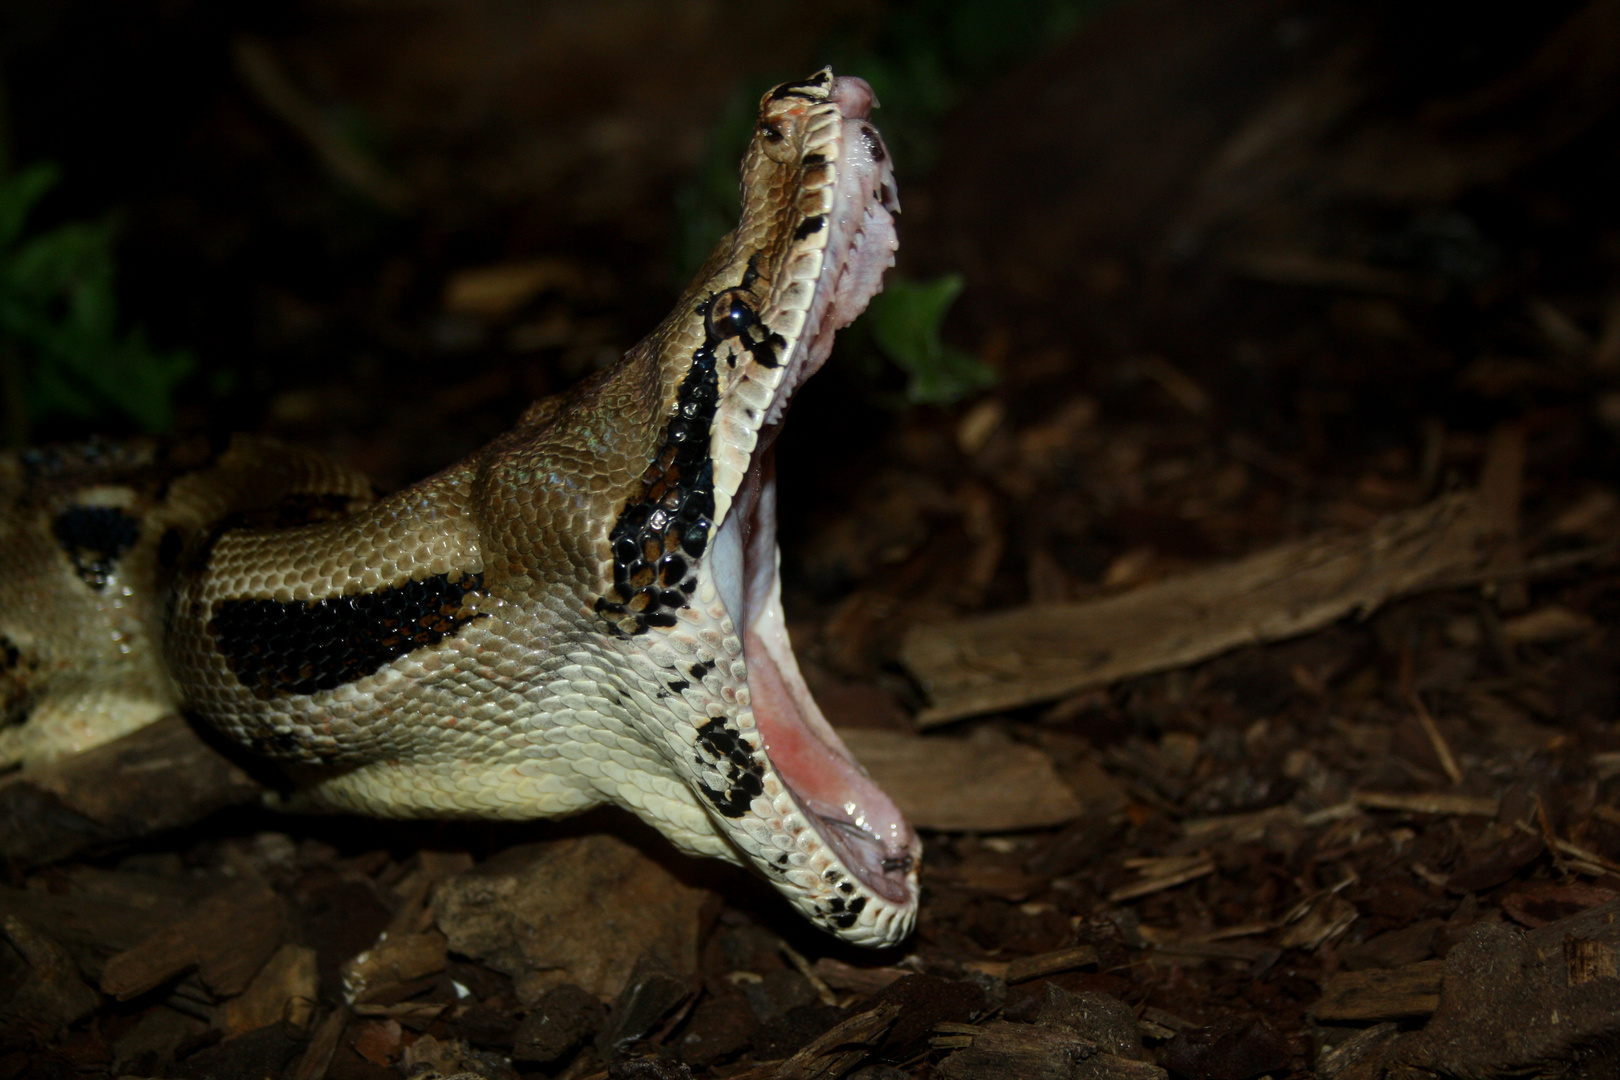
[{"x": 584, "y": 611}]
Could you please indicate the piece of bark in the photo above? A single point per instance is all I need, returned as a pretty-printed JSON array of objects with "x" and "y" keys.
[
  {"x": 842, "y": 1047},
  {"x": 262, "y": 1053},
  {"x": 1382, "y": 993},
  {"x": 1501, "y": 490},
  {"x": 1102, "y": 1018},
  {"x": 1428, "y": 802},
  {"x": 957, "y": 784},
  {"x": 380, "y": 1042},
  {"x": 577, "y": 910},
  {"x": 1230, "y": 1048},
  {"x": 49, "y": 997},
  {"x": 1026, "y": 968},
  {"x": 1364, "y": 1045},
  {"x": 317, "y": 1055},
  {"x": 90, "y": 928},
  {"x": 152, "y": 1043},
  {"x": 1540, "y": 1003},
  {"x": 1033, "y": 1052},
  {"x": 228, "y": 939},
  {"x": 1032, "y": 654},
  {"x": 415, "y": 889},
  {"x": 284, "y": 990},
  {"x": 162, "y": 776},
  {"x": 651, "y": 993},
  {"x": 849, "y": 978},
  {"x": 395, "y": 960},
  {"x": 563, "y": 1018}
]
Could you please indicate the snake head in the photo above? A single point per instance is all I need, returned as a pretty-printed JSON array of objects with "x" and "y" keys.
[{"x": 695, "y": 597}]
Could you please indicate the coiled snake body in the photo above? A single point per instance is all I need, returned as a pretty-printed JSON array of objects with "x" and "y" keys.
[{"x": 584, "y": 611}]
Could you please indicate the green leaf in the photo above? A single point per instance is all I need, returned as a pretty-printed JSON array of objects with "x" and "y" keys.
[
  {"x": 18, "y": 194},
  {"x": 904, "y": 320},
  {"x": 59, "y": 328}
]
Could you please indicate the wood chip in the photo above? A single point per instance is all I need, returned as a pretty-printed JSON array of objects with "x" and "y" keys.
[
  {"x": 394, "y": 960},
  {"x": 1551, "y": 623},
  {"x": 283, "y": 991},
  {"x": 1428, "y": 802},
  {"x": 579, "y": 910},
  {"x": 1605, "y": 812},
  {"x": 1511, "y": 998},
  {"x": 47, "y": 996},
  {"x": 1327, "y": 918},
  {"x": 1241, "y": 828},
  {"x": 160, "y": 777},
  {"x": 227, "y": 939},
  {"x": 1198, "y": 869},
  {"x": 1382, "y": 993},
  {"x": 317, "y": 1057},
  {"x": 403, "y": 1010},
  {"x": 958, "y": 784},
  {"x": 843, "y": 1047},
  {"x": 1585, "y": 855},
  {"x": 1177, "y": 953},
  {"x": 852, "y": 979},
  {"x": 1033, "y": 1052},
  {"x": 1358, "y": 1047},
  {"x": 1501, "y": 490},
  {"x": 1031, "y": 654},
  {"x": 1050, "y": 963}
]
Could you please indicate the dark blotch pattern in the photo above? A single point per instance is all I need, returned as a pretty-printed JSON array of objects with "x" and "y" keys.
[
  {"x": 810, "y": 226},
  {"x": 300, "y": 647},
  {"x": 729, "y": 314},
  {"x": 17, "y": 683},
  {"x": 658, "y": 538},
  {"x": 816, "y": 82},
  {"x": 873, "y": 143},
  {"x": 94, "y": 537},
  {"x": 720, "y": 747},
  {"x": 656, "y": 542}
]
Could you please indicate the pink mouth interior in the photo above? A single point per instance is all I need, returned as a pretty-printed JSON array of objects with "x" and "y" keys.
[{"x": 852, "y": 814}]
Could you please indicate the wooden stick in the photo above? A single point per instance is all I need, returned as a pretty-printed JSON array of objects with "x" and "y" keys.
[{"x": 1013, "y": 658}]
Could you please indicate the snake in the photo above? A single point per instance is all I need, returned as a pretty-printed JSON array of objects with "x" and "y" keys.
[{"x": 585, "y": 611}]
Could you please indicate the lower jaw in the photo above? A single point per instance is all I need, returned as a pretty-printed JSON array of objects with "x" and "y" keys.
[{"x": 832, "y": 792}]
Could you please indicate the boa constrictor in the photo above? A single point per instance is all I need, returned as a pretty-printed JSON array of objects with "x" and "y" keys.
[{"x": 586, "y": 610}]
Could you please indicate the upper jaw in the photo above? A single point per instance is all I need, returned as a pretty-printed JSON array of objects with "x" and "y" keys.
[{"x": 817, "y": 270}]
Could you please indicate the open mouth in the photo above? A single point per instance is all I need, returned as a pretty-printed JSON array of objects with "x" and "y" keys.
[{"x": 845, "y": 247}]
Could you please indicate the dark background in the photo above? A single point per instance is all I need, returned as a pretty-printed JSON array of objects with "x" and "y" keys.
[{"x": 1244, "y": 270}]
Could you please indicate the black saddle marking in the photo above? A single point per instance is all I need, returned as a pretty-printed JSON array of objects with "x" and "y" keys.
[
  {"x": 95, "y": 537},
  {"x": 299, "y": 647},
  {"x": 721, "y": 748}
]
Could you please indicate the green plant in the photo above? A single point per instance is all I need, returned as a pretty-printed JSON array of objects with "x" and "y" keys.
[
  {"x": 60, "y": 341},
  {"x": 904, "y": 322}
]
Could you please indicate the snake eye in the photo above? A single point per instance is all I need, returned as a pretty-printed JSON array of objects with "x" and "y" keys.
[
  {"x": 729, "y": 315},
  {"x": 777, "y": 137}
]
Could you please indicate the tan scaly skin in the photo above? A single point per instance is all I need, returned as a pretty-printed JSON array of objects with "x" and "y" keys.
[{"x": 585, "y": 611}]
